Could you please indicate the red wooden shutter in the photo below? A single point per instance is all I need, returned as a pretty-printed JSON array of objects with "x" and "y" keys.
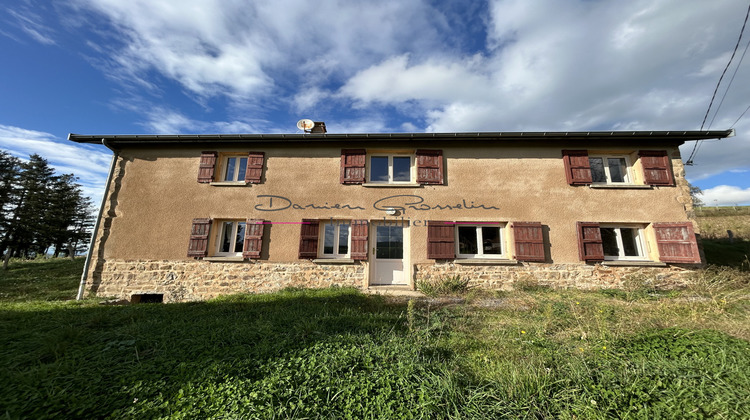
[
  {"x": 308, "y": 238},
  {"x": 590, "y": 246},
  {"x": 440, "y": 240},
  {"x": 359, "y": 239},
  {"x": 577, "y": 168},
  {"x": 529, "y": 241},
  {"x": 353, "y": 166},
  {"x": 198, "y": 245},
  {"x": 253, "y": 238},
  {"x": 430, "y": 167},
  {"x": 677, "y": 243},
  {"x": 206, "y": 168},
  {"x": 254, "y": 170},
  {"x": 656, "y": 167}
]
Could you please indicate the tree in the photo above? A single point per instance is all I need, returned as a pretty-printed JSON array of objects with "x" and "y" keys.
[
  {"x": 40, "y": 210},
  {"x": 695, "y": 194},
  {"x": 9, "y": 172}
]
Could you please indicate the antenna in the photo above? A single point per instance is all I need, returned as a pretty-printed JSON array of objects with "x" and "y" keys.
[{"x": 305, "y": 125}]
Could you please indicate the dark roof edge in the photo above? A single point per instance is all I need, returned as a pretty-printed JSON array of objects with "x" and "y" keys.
[{"x": 505, "y": 136}]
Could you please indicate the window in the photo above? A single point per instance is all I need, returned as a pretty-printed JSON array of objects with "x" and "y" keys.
[
  {"x": 622, "y": 243},
  {"x": 609, "y": 169},
  {"x": 234, "y": 168},
  {"x": 479, "y": 241},
  {"x": 391, "y": 169},
  {"x": 335, "y": 239},
  {"x": 242, "y": 169},
  {"x": 231, "y": 238}
]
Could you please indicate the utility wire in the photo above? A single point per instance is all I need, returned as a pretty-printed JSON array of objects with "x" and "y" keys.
[
  {"x": 690, "y": 159},
  {"x": 728, "y": 86},
  {"x": 738, "y": 119}
]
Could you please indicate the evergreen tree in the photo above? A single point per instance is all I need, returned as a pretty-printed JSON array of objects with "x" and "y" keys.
[
  {"x": 40, "y": 210},
  {"x": 27, "y": 230},
  {"x": 9, "y": 172}
]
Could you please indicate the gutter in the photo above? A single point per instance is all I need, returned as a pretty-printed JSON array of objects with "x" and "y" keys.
[
  {"x": 87, "y": 264},
  {"x": 152, "y": 139}
]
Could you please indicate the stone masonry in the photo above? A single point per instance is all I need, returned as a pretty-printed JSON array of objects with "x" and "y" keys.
[
  {"x": 199, "y": 280},
  {"x": 580, "y": 276}
]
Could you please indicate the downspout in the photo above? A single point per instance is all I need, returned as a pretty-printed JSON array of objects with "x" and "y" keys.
[{"x": 84, "y": 275}]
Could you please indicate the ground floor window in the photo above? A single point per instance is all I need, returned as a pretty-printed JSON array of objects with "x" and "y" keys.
[
  {"x": 622, "y": 243},
  {"x": 231, "y": 238},
  {"x": 335, "y": 243},
  {"x": 479, "y": 241}
]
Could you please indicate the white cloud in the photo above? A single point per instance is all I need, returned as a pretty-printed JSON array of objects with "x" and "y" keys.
[
  {"x": 89, "y": 165},
  {"x": 539, "y": 65},
  {"x": 240, "y": 49},
  {"x": 726, "y": 195},
  {"x": 32, "y": 24},
  {"x": 639, "y": 65}
]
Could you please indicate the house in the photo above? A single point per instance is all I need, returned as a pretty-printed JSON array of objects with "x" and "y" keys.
[{"x": 188, "y": 217}]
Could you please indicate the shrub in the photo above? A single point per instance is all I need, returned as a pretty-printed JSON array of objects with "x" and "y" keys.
[{"x": 446, "y": 285}]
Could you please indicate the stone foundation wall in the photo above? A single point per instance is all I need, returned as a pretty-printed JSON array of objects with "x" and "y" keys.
[
  {"x": 199, "y": 280},
  {"x": 581, "y": 276}
]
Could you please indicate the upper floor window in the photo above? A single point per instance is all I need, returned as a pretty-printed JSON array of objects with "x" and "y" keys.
[
  {"x": 335, "y": 240},
  {"x": 609, "y": 169},
  {"x": 234, "y": 168},
  {"x": 653, "y": 167},
  {"x": 479, "y": 241},
  {"x": 423, "y": 166},
  {"x": 391, "y": 169}
]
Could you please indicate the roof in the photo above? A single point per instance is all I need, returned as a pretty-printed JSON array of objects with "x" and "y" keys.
[{"x": 678, "y": 136}]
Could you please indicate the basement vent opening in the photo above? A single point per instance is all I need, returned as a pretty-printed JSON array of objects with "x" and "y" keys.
[{"x": 147, "y": 298}]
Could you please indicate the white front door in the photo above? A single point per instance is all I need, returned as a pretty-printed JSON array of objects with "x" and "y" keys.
[{"x": 388, "y": 254}]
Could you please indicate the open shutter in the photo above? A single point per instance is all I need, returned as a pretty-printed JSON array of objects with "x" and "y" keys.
[
  {"x": 656, "y": 167},
  {"x": 253, "y": 238},
  {"x": 359, "y": 239},
  {"x": 206, "y": 168},
  {"x": 254, "y": 170},
  {"x": 198, "y": 245},
  {"x": 577, "y": 168},
  {"x": 677, "y": 243},
  {"x": 529, "y": 241},
  {"x": 308, "y": 238},
  {"x": 440, "y": 240},
  {"x": 590, "y": 246},
  {"x": 430, "y": 167},
  {"x": 353, "y": 166}
]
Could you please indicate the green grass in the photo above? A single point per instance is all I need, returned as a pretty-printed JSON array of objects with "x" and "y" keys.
[
  {"x": 337, "y": 353},
  {"x": 46, "y": 280}
]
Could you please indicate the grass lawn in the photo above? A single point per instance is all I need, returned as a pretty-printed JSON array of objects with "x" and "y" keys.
[{"x": 337, "y": 353}]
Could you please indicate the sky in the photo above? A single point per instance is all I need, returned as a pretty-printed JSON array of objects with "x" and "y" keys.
[{"x": 239, "y": 66}]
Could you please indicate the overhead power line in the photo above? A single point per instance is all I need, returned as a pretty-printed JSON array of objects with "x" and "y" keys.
[{"x": 739, "y": 39}]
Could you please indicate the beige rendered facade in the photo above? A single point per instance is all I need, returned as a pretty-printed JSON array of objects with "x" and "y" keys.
[{"x": 193, "y": 217}]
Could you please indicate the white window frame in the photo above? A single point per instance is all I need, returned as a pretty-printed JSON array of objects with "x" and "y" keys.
[
  {"x": 480, "y": 241},
  {"x": 339, "y": 224},
  {"x": 220, "y": 236},
  {"x": 628, "y": 175},
  {"x": 237, "y": 167},
  {"x": 390, "y": 157},
  {"x": 639, "y": 242}
]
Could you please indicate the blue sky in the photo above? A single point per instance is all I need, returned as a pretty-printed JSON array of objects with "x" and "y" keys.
[{"x": 217, "y": 66}]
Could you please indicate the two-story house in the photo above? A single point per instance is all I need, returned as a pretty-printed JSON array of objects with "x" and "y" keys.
[{"x": 189, "y": 217}]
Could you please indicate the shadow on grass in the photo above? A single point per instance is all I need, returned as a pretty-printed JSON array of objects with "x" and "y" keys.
[{"x": 95, "y": 361}]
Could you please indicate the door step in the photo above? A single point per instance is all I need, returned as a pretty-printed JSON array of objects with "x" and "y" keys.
[{"x": 393, "y": 290}]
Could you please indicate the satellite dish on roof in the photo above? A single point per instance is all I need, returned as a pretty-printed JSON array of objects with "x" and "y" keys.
[{"x": 305, "y": 125}]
